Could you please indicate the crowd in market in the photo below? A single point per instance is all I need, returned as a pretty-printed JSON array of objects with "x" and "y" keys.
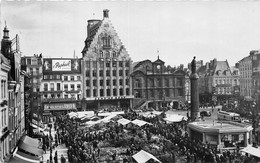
[{"x": 85, "y": 145}]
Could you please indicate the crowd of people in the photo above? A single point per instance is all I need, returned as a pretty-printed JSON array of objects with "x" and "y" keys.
[{"x": 176, "y": 145}]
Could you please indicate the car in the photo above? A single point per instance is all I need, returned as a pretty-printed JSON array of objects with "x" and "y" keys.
[{"x": 205, "y": 113}]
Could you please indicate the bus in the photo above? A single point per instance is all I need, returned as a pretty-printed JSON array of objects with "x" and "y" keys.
[{"x": 229, "y": 116}]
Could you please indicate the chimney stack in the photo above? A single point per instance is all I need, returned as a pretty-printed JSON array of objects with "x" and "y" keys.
[{"x": 105, "y": 13}]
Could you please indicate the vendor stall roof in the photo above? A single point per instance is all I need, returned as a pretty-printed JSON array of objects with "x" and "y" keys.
[
  {"x": 252, "y": 151},
  {"x": 143, "y": 156},
  {"x": 123, "y": 121},
  {"x": 175, "y": 118},
  {"x": 19, "y": 157},
  {"x": 140, "y": 122}
]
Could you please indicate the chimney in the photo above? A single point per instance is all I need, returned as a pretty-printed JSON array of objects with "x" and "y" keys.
[{"x": 105, "y": 13}]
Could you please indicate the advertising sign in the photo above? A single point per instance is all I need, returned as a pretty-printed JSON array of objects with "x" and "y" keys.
[
  {"x": 61, "y": 65},
  {"x": 60, "y": 106}
]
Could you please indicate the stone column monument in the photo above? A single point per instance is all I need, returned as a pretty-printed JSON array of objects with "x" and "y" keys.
[{"x": 195, "y": 114}]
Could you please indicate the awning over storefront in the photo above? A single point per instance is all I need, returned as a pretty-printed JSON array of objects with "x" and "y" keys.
[
  {"x": 31, "y": 145},
  {"x": 19, "y": 157},
  {"x": 31, "y": 141},
  {"x": 59, "y": 106}
]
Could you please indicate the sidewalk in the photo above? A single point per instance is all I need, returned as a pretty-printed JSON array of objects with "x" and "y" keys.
[{"x": 61, "y": 150}]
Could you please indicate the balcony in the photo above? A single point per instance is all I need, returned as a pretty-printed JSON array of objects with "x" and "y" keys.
[{"x": 50, "y": 100}]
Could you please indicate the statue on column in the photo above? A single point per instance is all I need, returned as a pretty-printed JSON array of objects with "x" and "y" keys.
[{"x": 193, "y": 65}]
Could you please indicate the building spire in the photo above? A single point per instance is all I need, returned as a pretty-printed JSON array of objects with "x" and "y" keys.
[{"x": 158, "y": 54}]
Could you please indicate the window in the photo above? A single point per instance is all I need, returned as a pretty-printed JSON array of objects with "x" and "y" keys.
[
  {"x": 101, "y": 54},
  {"x": 94, "y": 82},
  {"x": 179, "y": 82},
  {"x": 101, "y": 64},
  {"x": 114, "y": 64},
  {"x": 29, "y": 61},
  {"x": 106, "y": 41},
  {"x": 126, "y": 72},
  {"x": 66, "y": 96},
  {"x": 87, "y": 73},
  {"x": 127, "y": 64},
  {"x": 65, "y": 87},
  {"x": 52, "y": 95},
  {"x": 94, "y": 92},
  {"x": 108, "y": 82},
  {"x": 57, "y": 76},
  {"x": 87, "y": 64},
  {"x": 101, "y": 82},
  {"x": 120, "y": 72},
  {"x": 52, "y": 86},
  {"x": 127, "y": 91},
  {"x": 51, "y": 76},
  {"x": 94, "y": 64},
  {"x": 58, "y": 95},
  {"x": 65, "y": 78},
  {"x": 45, "y": 87},
  {"x": 107, "y": 54},
  {"x": 107, "y": 72},
  {"x": 58, "y": 86},
  {"x": 121, "y": 92},
  {"x": 108, "y": 92},
  {"x": 94, "y": 72},
  {"x": 120, "y": 64},
  {"x": 72, "y": 87},
  {"x": 45, "y": 76},
  {"x": 72, "y": 78},
  {"x": 78, "y": 78},
  {"x": 101, "y": 72},
  {"x": 121, "y": 82},
  {"x": 114, "y": 82},
  {"x": 127, "y": 82},
  {"x": 101, "y": 92},
  {"x": 114, "y": 72},
  {"x": 107, "y": 64},
  {"x": 114, "y": 54},
  {"x": 87, "y": 83},
  {"x": 87, "y": 93},
  {"x": 114, "y": 92}
]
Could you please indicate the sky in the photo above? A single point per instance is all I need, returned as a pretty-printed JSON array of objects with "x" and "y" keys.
[{"x": 174, "y": 30}]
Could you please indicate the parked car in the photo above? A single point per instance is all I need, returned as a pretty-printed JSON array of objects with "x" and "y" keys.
[{"x": 205, "y": 113}]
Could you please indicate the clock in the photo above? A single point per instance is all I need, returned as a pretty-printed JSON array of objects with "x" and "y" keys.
[{"x": 158, "y": 66}]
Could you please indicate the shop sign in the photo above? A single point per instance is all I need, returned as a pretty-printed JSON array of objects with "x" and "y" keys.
[{"x": 60, "y": 106}]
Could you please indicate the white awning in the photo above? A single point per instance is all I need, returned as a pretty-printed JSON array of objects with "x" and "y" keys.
[
  {"x": 123, "y": 121},
  {"x": 175, "y": 118},
  {"x": 143, "y": 156},
  {"x": 252, "y": 151},
  {"x": 19, "y": 157},
  {"x": 140, "y": 123}
]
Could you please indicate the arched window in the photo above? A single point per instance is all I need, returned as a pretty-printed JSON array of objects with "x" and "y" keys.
[{"x": 114, "y": 54}]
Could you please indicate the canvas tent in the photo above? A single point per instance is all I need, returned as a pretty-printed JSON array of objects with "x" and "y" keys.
[
  {"x": 143, "y": 156},
  {"x": 123, "y": 121},
  {"x": 175, "y": 118},
  {"x": 252, "y": 151},
  {"x": 140, "y": 123}
]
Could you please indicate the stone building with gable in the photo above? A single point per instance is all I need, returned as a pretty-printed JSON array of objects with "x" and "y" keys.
[{"x": 106, "y": 67}]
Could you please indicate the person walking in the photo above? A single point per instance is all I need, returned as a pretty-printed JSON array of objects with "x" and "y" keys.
[{"x": 63, "y": 159}]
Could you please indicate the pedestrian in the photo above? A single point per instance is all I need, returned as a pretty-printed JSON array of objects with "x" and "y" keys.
[
  {"x": 56, "y": 157},
  {"x": 63, "y": 159}
]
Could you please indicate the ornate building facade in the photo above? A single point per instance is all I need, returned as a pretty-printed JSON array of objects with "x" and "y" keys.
[
  {"x": 154, "y": 86},
  {"x": 61, "y": 85},
  {"x": 106, "y": 67}
]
